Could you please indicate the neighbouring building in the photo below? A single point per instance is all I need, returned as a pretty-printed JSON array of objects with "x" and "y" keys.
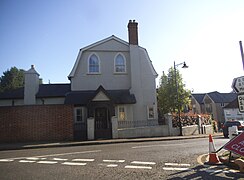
[
  {"x": 212, "y": 103},
  {"x": 110, "y": 78},
  {"x": 231, "y": 111}
]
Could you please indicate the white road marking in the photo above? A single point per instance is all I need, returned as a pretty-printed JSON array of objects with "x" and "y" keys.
[
  {"x": 74, "y": 164},
  {"x": 6, "y": 160},
  {"x": 175, "y": 169},
  {"x": 160, "y": 145},
  {"x": 114, "y": 161},
  {"x": 59, "y": 159},
  {"x": 108, "y": 165},
  {"x": 233, "y": 170},
  {"x": 33, "y": 158},
  {"x": 138, "y": 167},
  {"x": 86, "y": 160},
  {"x": 144, "y": 163},
  {"x": 176, "y": 164},
  {"x": 112, "y": 165},
  {"x": 47, "y": 162},
  {"x": 26, "y": 161},
  {"x": 63, "y": 154}
]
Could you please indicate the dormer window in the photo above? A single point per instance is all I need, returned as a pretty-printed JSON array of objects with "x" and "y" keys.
[
  {"x": 120, "y": 64},
  {"x": 93, "y": 64}
]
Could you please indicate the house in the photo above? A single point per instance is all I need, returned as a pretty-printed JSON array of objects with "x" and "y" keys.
[
  {"x": 231, "y": 111},
  {"x": 212, "y": 103},
  {"x": 110, "y": 79}
]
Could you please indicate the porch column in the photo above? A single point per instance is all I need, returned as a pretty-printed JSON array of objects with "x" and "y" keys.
[
  {"x": 114, "y": 127},
  {"x": 90, "y": 129}
]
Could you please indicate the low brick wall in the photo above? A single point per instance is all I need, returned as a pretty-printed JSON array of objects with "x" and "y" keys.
[{"x": 36, "y": 123}]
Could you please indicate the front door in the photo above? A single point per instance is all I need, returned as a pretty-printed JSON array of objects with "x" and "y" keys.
[{"x": 103, "y": 126}]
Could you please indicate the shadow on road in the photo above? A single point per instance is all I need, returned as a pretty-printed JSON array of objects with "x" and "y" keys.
[{"x": 200, "y": 172}]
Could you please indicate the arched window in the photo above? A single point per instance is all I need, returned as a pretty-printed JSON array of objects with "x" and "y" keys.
[
  {"x": 93, "y": 64},
  {"x": 120, "y": 64}
]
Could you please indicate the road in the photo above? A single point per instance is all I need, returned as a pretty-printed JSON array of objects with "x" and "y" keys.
[{"x": 147, "y": 160}]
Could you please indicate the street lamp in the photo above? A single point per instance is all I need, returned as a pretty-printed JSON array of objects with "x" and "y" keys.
[{"x": 176, "y": 83}]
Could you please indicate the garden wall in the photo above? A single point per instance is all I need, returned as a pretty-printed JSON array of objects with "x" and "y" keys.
[{"x": 36, "y": 123}]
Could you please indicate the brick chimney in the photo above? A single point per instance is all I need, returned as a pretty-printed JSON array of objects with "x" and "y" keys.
[{"x": 133, "y": 32}]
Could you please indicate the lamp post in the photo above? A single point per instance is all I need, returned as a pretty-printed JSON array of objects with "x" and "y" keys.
[{"x": 176, "y": 83}]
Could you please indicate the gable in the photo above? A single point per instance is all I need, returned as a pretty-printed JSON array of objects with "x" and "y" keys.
[
  {"x": 198, "y": 98},
  {"x": 110, "y": 45},
  {"x": 207, "y": 99},
  {"x": 101, "y": 97}
]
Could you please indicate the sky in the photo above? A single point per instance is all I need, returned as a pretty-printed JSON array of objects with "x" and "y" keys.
[{"x": 204, "y": 34}]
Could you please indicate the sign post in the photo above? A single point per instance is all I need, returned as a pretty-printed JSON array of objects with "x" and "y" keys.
[{"x": 236, "y": 145}]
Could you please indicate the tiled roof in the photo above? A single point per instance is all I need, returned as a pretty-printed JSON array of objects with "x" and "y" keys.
[
  {"x": 233, "y": 104},
  {"x": 53, "y": 90},
  {"x": 45, "y": 90},
  {"x": 222, "y": 97},
  {"x": 216, "y": 97},
  {"x": 13, "y": 94},
  {"x": 72, "y": 97},
  {"x": 199, "y": 97}
]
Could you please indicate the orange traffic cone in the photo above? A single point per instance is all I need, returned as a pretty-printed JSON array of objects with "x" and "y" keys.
[{"x": 213, "y": 158}]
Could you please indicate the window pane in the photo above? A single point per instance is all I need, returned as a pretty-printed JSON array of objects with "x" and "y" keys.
[
  {"x": 78, "y": 115},
  {"x": 120, "y": 64},
  {"x": 120, "y": 68},
  {"x": 151, "y": 113},
  {"x": 121, "y": 113},
  {"x": 93, "y": 64}
]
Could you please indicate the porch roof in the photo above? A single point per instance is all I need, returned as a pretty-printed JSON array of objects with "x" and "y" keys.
[{"x": 84, "y": 97}]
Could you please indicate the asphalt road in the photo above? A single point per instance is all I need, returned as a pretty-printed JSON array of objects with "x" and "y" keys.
[{"x": 176, "y": 159}]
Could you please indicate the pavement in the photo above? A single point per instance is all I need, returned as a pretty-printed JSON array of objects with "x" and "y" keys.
[{"x": 33, "y": 145}]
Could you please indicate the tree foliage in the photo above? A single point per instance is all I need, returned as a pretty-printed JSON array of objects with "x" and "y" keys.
[
  {"x": 171, "y": 86},
  {"x": 12, "y": 79}
]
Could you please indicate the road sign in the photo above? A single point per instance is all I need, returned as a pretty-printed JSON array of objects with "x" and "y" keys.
[
  {"x": 240, "y": 98},
  {"x": 236, "y": 145},
  {"x": 238, "y": 84}
]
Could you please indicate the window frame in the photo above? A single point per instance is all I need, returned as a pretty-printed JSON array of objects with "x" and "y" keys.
[
  {"x": 125, "y": 115},
  {"x": 115, "y": 65},
  {"x": 88, "y": 64},
  {"x": 81, "y": 115},
  {"x": 148, "y": 112}
]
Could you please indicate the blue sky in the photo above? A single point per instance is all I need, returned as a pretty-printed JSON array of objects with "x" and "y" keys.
[{"x": 49, "y": 34}]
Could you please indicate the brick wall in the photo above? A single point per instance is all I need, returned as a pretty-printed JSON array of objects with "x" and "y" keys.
[{"x": 36, "y": 123}]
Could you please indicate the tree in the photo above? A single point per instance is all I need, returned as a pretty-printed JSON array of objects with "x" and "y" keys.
[
  {"x": 12, "y": 79},
  {"x": 170, "y": 85}
]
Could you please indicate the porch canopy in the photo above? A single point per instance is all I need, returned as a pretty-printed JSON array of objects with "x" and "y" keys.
[{"x": 85, "y": 97}]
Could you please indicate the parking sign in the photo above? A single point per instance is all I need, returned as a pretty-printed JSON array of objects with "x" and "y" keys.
[{"x": 241, "y": 102}]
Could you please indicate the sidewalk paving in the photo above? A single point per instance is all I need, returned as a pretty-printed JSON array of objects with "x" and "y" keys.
[{"x": 33, "y": 145}]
